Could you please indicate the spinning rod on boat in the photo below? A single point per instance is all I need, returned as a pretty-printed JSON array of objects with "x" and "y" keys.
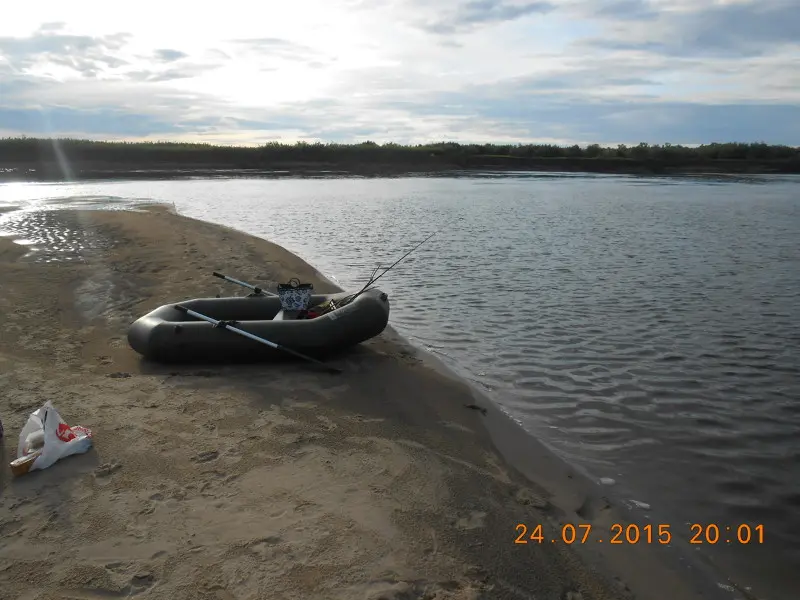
[
  {"x": 373, "y": 279},
  {"x": 348, "y": 299},
  {"x": 229, "y": 327}
]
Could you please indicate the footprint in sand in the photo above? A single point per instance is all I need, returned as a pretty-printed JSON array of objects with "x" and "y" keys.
[
  {"x": 92, "y": 581},
  {"x": 206, "y": 456},
  {"x": 290, "y": 439},
  {"x": 363, "y": 419},
  {"x": 106, "y": 469},
  {"x": 153, "y": 501},
  {"x": 408, "y": 590},
  {"x": 475, "y": 520},
  {"x": 11, "y": 527},
  {"x": 591, "y": 508},
  {"x": 263, "y": 546},
  {"x": 141, "y": 582},
  {"x": 327, "y": 423},
  {"x": 215, "y": 484},
  {"x": 528, "y": 498},
  {"x": 117, "y": 342}
]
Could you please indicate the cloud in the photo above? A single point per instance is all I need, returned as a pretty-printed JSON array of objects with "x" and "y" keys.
[
  {"x": 742, "y": 28},
  {"x": 648, "y": 119},
  {"x": 13, "y": 83},
  {"x": 271, "y": 47},
  {"x": 91, "y": 57},
  {"x": 186, "y": 71},
  {"x": 52, "y": 26},
  {"x": 578, "y": 81},
  {"x": 167, "y": 55},
  {"x": 724, "y": 30},
  {"x": 117, "y": 103},
  {"x": 624, "y": 10},
  {"x": 82, "y": 53},
  {"x": 269, "y": 54},
  {"x": 468, "y": 16},
  {"x": 103, "y": 121},
  {"x": 680, "y": 71},
  {"x": 503, "y": 111}
]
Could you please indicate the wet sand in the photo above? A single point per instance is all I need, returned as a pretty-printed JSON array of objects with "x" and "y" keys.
[{"x": 393, "y": 480}]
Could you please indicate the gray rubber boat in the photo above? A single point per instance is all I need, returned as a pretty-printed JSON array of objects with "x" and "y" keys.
[{"x": 169, "y": 335}]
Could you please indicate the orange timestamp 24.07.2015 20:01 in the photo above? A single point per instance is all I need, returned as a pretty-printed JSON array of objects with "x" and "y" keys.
[{"x": 585, "y": 533}]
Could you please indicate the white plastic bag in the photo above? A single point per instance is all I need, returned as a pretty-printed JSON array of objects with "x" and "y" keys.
[{"x": 60, "y": 440}]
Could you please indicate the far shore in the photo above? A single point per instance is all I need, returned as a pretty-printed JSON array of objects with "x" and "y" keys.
[
  {"x": 393, "y": 481},
  {"x": 60, "y": 159},
  {"x": 53, "y": 172},
  {"x": 48, "y": 159}
]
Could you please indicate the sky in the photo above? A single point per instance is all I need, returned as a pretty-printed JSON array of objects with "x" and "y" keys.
[{"x": 405, "y": 71}]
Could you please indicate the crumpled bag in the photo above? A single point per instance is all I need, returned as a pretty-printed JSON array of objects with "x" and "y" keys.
[{"x": 46, "y": 438}]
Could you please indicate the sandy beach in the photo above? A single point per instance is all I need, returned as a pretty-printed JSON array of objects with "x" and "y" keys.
[{"x": 392, "y": 481}]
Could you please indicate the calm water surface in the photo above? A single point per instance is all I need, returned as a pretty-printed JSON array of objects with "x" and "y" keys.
[{"x": 647, "y": 329}]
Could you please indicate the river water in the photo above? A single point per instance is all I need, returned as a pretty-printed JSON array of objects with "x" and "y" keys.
[{"x": 648, "y": 329}]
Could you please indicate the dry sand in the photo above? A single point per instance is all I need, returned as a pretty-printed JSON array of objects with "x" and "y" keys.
[{"x": 267, "y": 481}]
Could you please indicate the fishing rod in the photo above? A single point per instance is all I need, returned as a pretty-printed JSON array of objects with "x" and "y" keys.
[
  {"x": 331, "y": 305},
  {"x": 373, "y": 279}
]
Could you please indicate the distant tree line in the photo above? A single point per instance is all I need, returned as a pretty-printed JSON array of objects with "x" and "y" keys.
[{"x": 87, "y": 156}]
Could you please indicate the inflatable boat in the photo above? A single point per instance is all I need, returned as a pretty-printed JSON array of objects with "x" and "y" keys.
[{"x": 171, "y": 334}]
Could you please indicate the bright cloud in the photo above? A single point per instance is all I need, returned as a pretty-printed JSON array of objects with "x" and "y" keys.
[{"x": 608, "y": 71}]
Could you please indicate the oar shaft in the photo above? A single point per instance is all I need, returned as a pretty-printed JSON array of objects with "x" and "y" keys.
[
  {"x": 253, "y": 337},
  {"x": 256, "y": 289}
]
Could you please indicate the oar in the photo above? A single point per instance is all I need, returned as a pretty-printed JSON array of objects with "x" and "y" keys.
[
  {"x": 257, "y": 290},
  {"x": 224, "y": 325}
]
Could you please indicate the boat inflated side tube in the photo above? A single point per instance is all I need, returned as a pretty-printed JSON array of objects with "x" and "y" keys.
[{"x": 167, "y": 334}]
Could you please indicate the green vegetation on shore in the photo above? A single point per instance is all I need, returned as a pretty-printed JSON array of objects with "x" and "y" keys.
[{"x": 34, "y": 158}]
